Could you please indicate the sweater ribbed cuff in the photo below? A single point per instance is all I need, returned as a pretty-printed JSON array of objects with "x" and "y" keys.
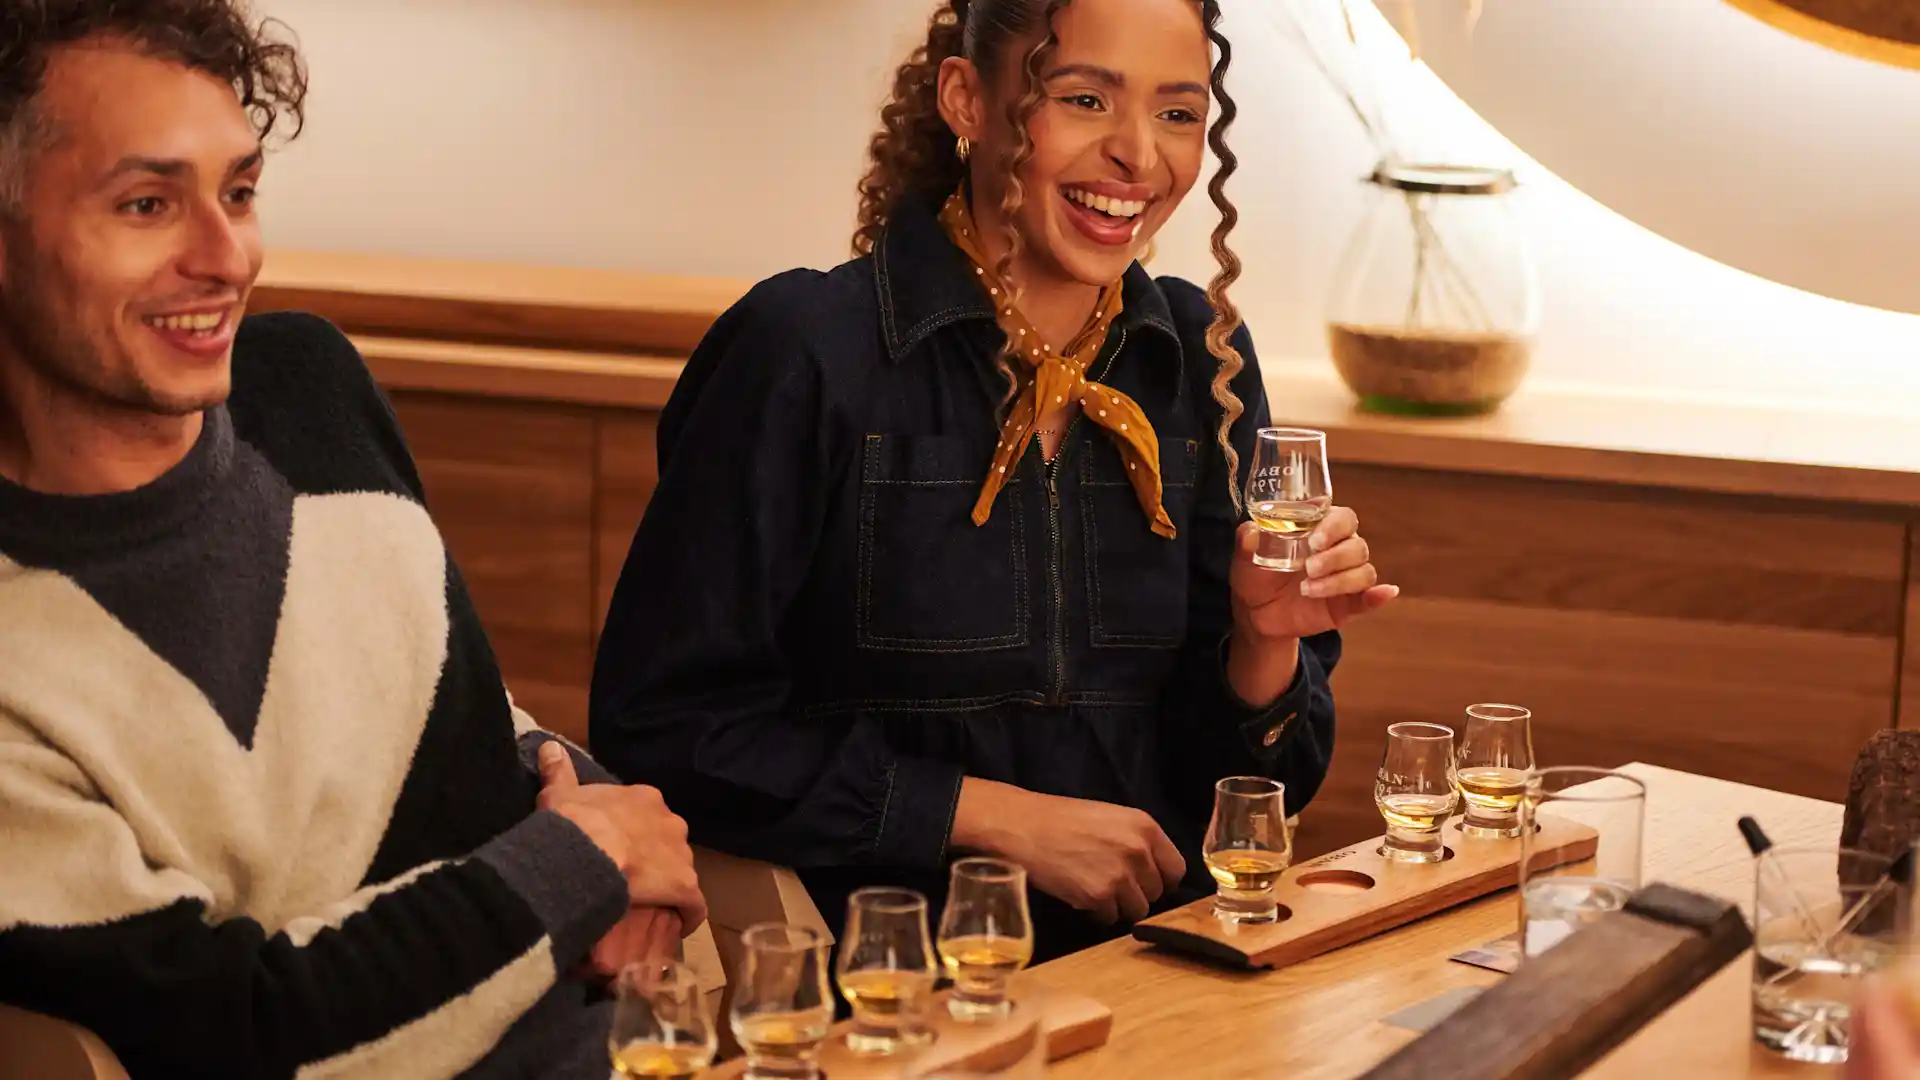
[{"x": 577, "y": 893}]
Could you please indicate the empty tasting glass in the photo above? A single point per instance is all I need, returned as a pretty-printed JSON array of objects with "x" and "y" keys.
[
  {"x": 887, "y": 969},
  {"x": 1289, "y": 492},
  {"x": 1414, "y": 791},
  {"x": 782, "y": 1007},
  {"x": 986, "y": 936},
  {"x": 1247, "y": 847},
  {"x": 1557, "y": 897},
  {"x": 660, "y": 1025},
  {"x": 1821, "y": 927},
  {"x": 1491, "y": 762}
]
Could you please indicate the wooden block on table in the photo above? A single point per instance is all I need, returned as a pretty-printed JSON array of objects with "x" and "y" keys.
[
  {"x": 1068, "y": 1023},
  {"x": 1355, "y": 893},
  {"x": 1566, "y": 1008}
]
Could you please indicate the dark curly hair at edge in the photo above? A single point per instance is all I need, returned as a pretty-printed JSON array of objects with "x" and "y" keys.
[
  {"x": 914, "y": 157},
  {"x": 218, "y": 37}
]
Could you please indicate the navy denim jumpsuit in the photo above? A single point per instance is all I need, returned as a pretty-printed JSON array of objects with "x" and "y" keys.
[{"x": 811, "y": 642}]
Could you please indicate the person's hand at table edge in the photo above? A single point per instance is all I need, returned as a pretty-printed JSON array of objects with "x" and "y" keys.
[{"x": 1112, "y": 862}]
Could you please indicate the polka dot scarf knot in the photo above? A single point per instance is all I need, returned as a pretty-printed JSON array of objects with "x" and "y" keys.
[{"x": 1050, "y": 383}]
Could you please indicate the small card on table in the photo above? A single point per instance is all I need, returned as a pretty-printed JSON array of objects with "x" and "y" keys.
[{"x": 1501, "y": 955}]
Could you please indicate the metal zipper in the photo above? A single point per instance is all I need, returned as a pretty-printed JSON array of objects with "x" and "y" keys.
[{"x": 1058, "y": 694}]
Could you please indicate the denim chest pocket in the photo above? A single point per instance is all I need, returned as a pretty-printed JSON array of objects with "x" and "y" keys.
[
  {"x": 930, "y": 579},
  {"x": 1137, "y": 580}
]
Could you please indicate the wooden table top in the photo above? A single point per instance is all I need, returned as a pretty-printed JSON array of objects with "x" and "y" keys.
[{"x": 1178, "y": 1018}]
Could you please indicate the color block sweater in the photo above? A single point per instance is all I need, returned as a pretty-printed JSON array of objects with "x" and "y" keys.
[{"x": 266, "y": 808}]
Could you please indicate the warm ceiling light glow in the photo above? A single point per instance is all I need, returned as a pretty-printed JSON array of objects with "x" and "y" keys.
[{"x": 1887, "y": 31}]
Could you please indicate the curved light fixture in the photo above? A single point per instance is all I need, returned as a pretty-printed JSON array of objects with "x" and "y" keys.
[
  {"x": 1887, "y": 31},
  {"x": 1785, "y": 158}
]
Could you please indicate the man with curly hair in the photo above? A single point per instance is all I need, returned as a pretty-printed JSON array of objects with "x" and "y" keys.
[{"x": 266, "y": 808}]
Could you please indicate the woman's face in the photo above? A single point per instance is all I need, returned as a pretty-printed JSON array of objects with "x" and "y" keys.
[{"x": 1118, "y": 140}]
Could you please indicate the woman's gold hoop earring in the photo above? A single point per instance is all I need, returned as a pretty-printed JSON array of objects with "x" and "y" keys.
[{"x": 963, "y": 147}]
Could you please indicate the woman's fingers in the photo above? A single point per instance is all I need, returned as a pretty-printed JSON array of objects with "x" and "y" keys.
[
  {"x": 1348, "y": 554},
  {"x": 1345, "y": 583},
  {"x": 1340, "y": 523}
]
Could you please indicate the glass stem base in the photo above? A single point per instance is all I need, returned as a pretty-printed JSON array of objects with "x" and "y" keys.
[
  {"x": 1491, "y": 826},
  {"x": 873, "y": 1041},
  {"x": 1414, "y": 847},
  {"x": 781, "y": 1070},
  {"x": 1246, "y": 907},
  {"x": 1287, "y": 554},
  {"x": 969, "y": 1009}
]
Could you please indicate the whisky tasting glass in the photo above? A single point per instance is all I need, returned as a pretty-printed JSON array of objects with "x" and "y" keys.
[
  {"x": 1491, "y": 762},
  {"x": 660, "y": 1023},
  {"x": 887, "y": 969},
  {"x": 986, "y": 936},
  {"x": 783, "y": 1007},
  {"x": 1247, "y": 847},
  {"x": 1557, "y": 897},
  {"x": 1289, "y": 492},
  {"x": 1414, "y": 791}
]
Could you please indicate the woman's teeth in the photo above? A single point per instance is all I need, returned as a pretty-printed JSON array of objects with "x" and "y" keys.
[
  {"x": 198, "y": 324},
  {"x": 1120, "y": 208}
]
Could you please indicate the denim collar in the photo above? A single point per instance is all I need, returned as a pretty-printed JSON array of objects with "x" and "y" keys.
[{"x": 925, "y": 283}]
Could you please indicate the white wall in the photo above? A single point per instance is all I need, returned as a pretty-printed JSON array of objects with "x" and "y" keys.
[{"x": 724, "y": 137}]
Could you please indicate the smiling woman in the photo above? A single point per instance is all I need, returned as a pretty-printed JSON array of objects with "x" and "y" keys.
[{"x": 992, "y": 593}]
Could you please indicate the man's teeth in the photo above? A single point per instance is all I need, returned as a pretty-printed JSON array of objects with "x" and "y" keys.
[
  {"x": 199, "y": 324},
  {"x": 1120, "y": 208}
]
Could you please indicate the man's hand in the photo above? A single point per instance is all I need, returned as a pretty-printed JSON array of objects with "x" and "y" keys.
[
  {"x": 1110, "y": 861},
  {"x": 633, "y": 826},
  {"x": 644, "y": 935}
]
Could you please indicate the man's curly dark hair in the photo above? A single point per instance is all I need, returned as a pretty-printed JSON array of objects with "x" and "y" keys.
[{"x": 218, "y": 37}]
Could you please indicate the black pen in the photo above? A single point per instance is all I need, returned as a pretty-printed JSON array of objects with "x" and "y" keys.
[{"x": 1761, "y": 846}]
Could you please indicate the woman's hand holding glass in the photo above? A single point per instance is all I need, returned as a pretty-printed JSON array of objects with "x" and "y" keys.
[
  {"x": 1301, "y": 566},
  {"x": 1339, "y": 583}
]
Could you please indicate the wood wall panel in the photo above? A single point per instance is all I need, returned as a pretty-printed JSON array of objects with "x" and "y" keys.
[
  {"x": 1908, "y": 707},
  {"x": 1717, "y": 639},
  {"x": 477, "y": 302},
  {"x": 510, "y": 485},
  {"x": 629, "y": 469},
  {"x": 1631, "y": 550}
]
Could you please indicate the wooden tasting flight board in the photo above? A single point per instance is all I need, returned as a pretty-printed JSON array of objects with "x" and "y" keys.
[
  {"x": 1070, "y": 1024},
  {"x": 1354, "y": 893}
]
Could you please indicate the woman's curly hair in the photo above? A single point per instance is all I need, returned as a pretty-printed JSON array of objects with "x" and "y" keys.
[{"x": 914, "y": 157}]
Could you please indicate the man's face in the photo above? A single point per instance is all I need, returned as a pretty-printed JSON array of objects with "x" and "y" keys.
[{"x": 126, "y": 266}]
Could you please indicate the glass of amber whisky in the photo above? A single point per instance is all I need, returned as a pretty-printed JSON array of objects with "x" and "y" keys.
[
  {"x": 660, "y": 1027},
  {"x": 887, "y": 969},
  {"x": 1491, "y": 762},
  {"x": 986, "y": 936},
  {"x": 782, "y": 1007},
  {"x": 1414, "y": 791},
  {"x": 1247, "y": 847}
]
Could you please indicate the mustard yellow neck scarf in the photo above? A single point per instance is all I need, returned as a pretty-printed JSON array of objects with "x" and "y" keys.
[{"x": 1050, "y": 380}]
